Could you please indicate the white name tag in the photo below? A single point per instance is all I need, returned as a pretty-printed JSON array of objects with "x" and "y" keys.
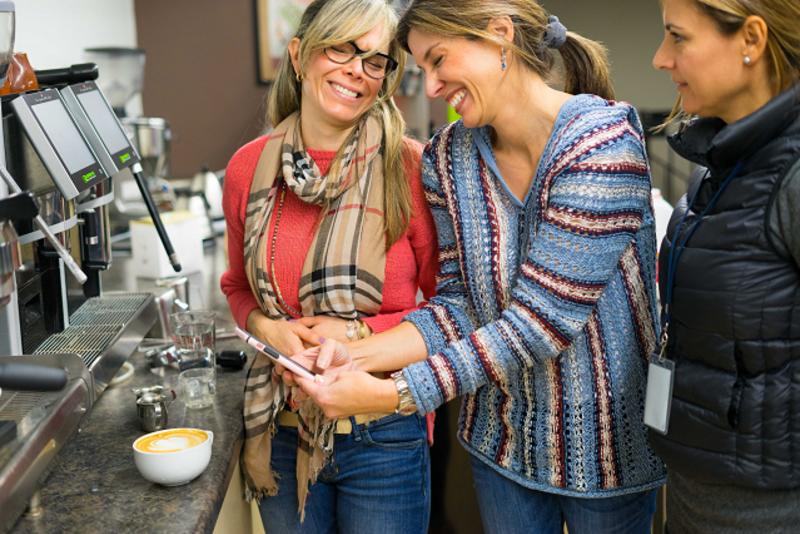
[{"x": 658, "y": 397}]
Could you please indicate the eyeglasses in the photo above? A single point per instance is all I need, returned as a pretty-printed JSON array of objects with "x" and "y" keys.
[{"x": 376, "y": 65}]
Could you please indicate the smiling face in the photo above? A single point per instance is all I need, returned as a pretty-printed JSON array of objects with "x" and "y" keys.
[
  {"x": 706, "y": 65},
  {"x": 464, "y": 72},
  {"x": 336, "y": 95}
]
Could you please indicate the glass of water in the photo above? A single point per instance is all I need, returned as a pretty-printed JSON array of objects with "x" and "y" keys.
[
  {"x": 193, "y": 333},
  {"x": 197, "y": 387}
]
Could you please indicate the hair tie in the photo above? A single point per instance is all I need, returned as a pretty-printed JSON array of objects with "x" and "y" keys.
[{"x": 555, "y": 35}]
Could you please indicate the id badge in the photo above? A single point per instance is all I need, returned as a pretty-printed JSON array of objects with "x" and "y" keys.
[{"x": 658, "y": 396}]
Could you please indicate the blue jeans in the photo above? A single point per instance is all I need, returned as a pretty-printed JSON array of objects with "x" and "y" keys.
[
  {"x": 507, "y": 507},
  {"x": 376, "y": 481}
]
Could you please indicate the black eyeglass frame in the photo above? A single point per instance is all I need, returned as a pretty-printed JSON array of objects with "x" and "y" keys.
[{"x": 391, "y": 64}]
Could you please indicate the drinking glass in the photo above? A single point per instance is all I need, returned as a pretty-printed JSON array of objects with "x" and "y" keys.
[
  {"x": 193, "y": 333},
  {"x": 197, "y": 387}
]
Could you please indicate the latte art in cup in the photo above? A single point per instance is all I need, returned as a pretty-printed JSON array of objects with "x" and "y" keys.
[{"x": 171, "y": 440}]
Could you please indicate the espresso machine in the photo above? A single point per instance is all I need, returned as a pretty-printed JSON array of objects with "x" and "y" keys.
[
  {"x": 71, "y": 135},
  {"x": 61, "y": 147},
  {"x": 43, "y": 398},
  {"x": 63, "y": 144}
]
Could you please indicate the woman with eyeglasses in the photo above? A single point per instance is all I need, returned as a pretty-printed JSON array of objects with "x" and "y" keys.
[{"x": 329, "y": 237}]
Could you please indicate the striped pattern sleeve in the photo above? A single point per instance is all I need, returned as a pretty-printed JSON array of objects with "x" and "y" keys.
[
  {"x": 448, "y": 315},
  {"x": 594, "y": 199}
]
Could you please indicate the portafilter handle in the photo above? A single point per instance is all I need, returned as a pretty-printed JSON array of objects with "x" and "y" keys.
[
  {"x": 65, "y": 256},
  {"x": 32, "y": 377}
]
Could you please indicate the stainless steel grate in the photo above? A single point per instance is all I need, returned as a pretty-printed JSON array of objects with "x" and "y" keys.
[
  {"x": 88, "y": 342},
  {"x": 95, "y": 326},
  {"x": 116, "y": 309},
  {"x": 15, "y": 405},
  {"x": 108, "y": 318}
]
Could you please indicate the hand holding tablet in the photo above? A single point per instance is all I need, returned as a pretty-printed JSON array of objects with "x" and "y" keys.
[{"x": 273, "y": 354}]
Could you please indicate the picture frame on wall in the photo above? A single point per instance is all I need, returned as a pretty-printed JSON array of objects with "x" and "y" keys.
[{"x": 276, "y": 22}]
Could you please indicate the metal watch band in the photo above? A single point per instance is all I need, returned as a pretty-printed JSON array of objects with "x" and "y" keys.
[{"x": 406, "y": 404}]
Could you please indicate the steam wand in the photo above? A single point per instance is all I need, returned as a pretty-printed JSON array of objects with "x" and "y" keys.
[{"x": 151, "y": 208}]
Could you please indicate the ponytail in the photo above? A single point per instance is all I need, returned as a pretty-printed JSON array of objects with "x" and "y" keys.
[{"x": 586, "y": 68}]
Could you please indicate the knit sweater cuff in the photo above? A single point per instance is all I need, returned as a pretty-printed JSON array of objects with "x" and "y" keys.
[
  {"x": 423, "y": 386},
  {"x": 438, "y": 327}
]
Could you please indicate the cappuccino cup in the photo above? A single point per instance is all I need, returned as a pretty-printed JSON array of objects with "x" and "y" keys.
[{"x": 174, "y": 456}]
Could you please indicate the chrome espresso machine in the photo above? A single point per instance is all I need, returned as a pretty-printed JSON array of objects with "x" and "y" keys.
[{"x": 62, "y": 147}]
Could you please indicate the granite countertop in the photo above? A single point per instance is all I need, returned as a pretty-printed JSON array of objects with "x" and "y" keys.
[{"x": 93, "y": 485}]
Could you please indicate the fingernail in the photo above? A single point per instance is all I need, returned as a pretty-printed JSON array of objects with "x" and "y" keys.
[{"x": 321, "y": 340}]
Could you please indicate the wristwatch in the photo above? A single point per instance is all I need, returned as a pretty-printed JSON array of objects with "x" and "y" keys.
[{"x": 406, "y": 404}]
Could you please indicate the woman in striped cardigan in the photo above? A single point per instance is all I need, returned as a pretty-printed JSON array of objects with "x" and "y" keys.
[{"x": 545, "y": 313}]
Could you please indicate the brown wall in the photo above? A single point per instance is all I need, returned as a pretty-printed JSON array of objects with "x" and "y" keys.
[{"x": 200, "y": 75}]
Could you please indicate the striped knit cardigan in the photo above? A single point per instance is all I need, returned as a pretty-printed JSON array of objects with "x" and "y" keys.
[{"x": 545, "y": 311}]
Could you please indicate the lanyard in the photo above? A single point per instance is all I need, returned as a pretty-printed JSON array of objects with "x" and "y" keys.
[{"x": 679, "y": 245}]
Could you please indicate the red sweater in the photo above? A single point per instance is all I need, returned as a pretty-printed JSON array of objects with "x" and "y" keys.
[{"x": 411, "y": 262}]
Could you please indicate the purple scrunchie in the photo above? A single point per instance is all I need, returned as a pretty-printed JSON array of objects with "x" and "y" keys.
[{"x": 556, "y": 33}]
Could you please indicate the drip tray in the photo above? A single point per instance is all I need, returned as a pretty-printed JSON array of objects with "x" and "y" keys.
[{"x": 104, "y": 332}]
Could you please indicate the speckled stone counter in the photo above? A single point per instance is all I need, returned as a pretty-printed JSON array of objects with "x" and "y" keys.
[{"x": 94, "y": 486}]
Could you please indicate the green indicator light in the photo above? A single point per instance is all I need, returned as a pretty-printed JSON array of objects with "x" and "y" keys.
[
  {"x": 88, "y": 177},
  {"x": 125, "y": 157}
]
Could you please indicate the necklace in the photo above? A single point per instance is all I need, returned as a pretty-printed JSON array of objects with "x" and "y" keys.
[{"x": 291, "y": 310}]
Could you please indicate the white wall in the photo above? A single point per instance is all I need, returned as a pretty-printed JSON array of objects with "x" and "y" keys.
[
  {"x": 55, "y": 32},
  {"x": 631, "y": 30}
]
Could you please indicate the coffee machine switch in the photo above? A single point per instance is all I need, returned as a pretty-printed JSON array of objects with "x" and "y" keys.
[
  {"x": 58, "y": 141},
  {"x": 97, "y": 120}
]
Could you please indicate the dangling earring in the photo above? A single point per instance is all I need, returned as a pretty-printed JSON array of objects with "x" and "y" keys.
[
  {"x": 503, "y": 63},
  {"x": 747, "y": 60}
]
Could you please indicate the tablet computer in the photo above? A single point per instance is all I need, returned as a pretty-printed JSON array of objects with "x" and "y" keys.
[{"x": 273, "y": 354}]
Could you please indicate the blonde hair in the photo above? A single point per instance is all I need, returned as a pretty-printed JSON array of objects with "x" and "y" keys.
[
  {"x": 585, "y": 61},
  {"x": 783, "y": 37},
  {"x": 330, "y": 22}
]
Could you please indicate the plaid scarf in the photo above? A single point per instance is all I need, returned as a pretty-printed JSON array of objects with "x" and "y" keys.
[{"x": 342, "y": 276}]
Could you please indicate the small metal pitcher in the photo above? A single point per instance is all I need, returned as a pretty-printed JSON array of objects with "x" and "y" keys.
[{"x": 151, "y": 407}]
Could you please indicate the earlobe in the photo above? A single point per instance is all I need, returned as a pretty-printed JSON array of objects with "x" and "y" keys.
[{"x": 755, "y": 33}]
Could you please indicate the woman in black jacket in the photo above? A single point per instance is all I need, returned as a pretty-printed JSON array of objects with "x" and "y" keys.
[{"x": 730, "y": 282}]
